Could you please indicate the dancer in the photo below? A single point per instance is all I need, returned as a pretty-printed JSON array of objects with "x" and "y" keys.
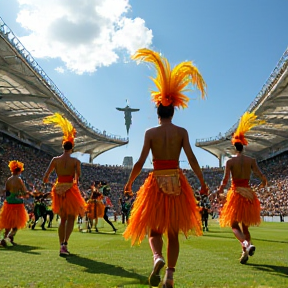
[
  {"x": 95, "y": 206},
  {"x": 242, "y": 205},
  {"x": 205, "y": 206},
  {"x": 40, "y": 209},
  {"x": 67, "y": 201},
  {"x": 165, "y": 204},
  {"x": 106, "y": 217},
  {"x": 13, "y": 215}
]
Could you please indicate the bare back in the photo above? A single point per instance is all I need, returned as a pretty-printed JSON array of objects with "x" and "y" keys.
[
  {"x": 64, "y": 165},
  {"x": 14, "y": 184},
  {"x": 166, "y": 141},
  {"x": 241, "y": 167}
]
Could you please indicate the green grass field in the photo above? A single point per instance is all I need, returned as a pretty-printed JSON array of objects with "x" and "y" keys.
[{"x": 107, "y": 260}]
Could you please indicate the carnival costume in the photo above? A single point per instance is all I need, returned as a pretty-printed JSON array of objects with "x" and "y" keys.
[
  {"x": 13, "y": 213},
  {"x": 242, "y": 204},
  {"x": 95, "y": 207},
  {"x": 66, "y": 196},
  {"x": 166, "y": 202}
]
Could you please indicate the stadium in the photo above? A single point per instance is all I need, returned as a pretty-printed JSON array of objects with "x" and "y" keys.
[{"x": 27, "y": 95}]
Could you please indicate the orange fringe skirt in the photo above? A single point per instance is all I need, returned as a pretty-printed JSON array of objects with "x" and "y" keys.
[
  {"x": 161, "y": 212},
  {"x": 240, "y": 209},
  {"x": 13, "y": 216},
  {"x": 95, "y": 210},
  {"x": 70, "y": 203}
]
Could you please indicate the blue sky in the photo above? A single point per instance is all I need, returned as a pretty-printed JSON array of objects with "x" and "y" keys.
[{"x": 234, "y": 44}]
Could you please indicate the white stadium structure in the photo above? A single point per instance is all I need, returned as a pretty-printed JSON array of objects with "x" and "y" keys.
[
  {"x": 27, "y": 95},
  {"x": 271, "y": 104}
]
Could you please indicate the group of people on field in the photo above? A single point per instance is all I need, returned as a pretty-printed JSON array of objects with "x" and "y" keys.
[{"x": 165, "y": 204}]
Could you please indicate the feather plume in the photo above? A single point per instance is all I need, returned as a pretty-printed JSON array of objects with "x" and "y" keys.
[
  {"x": 171, "y": 83},
  {"x": 247, "y": 122},
  {"x": 59, "y": 121},
  {"x": 14, "y": 164}
]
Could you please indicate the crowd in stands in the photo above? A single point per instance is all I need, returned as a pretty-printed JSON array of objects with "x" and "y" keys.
[{"x": 274, "y": 199}]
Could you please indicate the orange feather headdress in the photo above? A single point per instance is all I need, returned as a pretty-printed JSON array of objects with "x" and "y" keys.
[
  {"x": 14, "y": 164},
  {"x": 247, "y": 121},
  {"x": 59, "y": 121},
  {"x": 171, "y": 83}
]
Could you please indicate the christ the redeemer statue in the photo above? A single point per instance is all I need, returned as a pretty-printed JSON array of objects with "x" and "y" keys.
[{"x": 128, "y": 116}]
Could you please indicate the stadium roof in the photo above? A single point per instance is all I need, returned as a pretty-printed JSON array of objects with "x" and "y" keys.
[
  {"x": 27, "y": 95},
  {"x": 271, "y": 104}
]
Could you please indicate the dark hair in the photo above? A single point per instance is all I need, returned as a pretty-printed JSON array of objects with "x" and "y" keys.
[
  {"x": 16, "y": 170},
  {"x": 165, "y": 111},
  {"x": 67, "y": 146},
  {"x": 238, "y": 146}
]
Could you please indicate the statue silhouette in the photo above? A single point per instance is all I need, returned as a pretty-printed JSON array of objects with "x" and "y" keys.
[{"x": 128, "y": 116}]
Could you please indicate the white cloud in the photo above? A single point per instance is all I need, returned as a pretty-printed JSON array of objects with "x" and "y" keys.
[
  {"x": 60, "y": 70},
  {"x": 84, "y": 34}
]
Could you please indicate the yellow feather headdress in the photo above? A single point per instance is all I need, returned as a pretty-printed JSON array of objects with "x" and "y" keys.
[
  {"x": 14, "y": 164},
  {"x": 247, "y": 121},
  {"x": 59, "y": 121},
  {"x": 171, "y": 83}
]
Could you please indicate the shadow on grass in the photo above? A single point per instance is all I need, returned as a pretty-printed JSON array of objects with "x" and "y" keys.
[
  {"x": 216, "y": 231},
  {"x": 224, "y": 235},
  {"x": 273, "y": 241},
  {"x": 277, "y": 270},
  {"x": 23, "y": 249},
  {"x": 103, "y": 233},
  {"x": 95, "y": 267},
  {"x": 218, "y": 235}
]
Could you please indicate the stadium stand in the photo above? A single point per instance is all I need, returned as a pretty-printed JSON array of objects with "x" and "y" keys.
[
  {"x": 274, "y": 199},
  {"x": 271, "y": 104},
  {"x": 27, "y": 95}
]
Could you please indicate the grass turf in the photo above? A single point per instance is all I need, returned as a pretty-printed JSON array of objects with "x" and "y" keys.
[{"x": 106, "y": 260}]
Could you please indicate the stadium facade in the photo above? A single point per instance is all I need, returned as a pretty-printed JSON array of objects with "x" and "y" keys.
[
  {"x": 271, "y": 104},
  {"x": 27, "y": 95}
]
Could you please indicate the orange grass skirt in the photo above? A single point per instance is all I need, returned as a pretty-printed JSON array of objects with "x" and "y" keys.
[
  {"x": 70, "y": 203},
  {"x": 95, "y": 210},
  {"x": 239, "y": 209},
  {"x": 157, "y": 211},
  {"x": 13, "y": 216}
]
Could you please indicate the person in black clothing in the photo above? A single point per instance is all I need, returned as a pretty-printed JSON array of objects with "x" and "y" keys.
[
  {"x": 106, "y": 218},
  {"x": 123, "y": 210},
  {"x": 39, "y": 211},
  {"x": 205, "y": 207}
]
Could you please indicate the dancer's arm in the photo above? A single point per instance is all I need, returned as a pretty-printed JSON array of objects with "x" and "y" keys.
[
  {"x": 193, "y": 162},
  {"x": 49, "y": 170},
  {"x": 78, "y": 171},
  {"x": 256, "y": 170},
  {"x": 225, "y": 177},
  {"x": 139, "y": 164}
]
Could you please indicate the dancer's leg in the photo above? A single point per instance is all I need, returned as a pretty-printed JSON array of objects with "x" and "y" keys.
[
  {"x": 173, "y": 249},
  {"x": 156, "y": 244},
  {"x": 246, "y": 232},
  {"x": 238, "y": 232},
  {"x": 172, "y": 256},
  {"x": 62, "y": 229},
  {"x": 69, "y": 227}
]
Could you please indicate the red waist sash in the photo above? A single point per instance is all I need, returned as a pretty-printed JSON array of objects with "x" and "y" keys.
[
  {"x": 240, "y": 183},
  {"x": 65, "y": 179},
  {"x": 165, "y": 164}
]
